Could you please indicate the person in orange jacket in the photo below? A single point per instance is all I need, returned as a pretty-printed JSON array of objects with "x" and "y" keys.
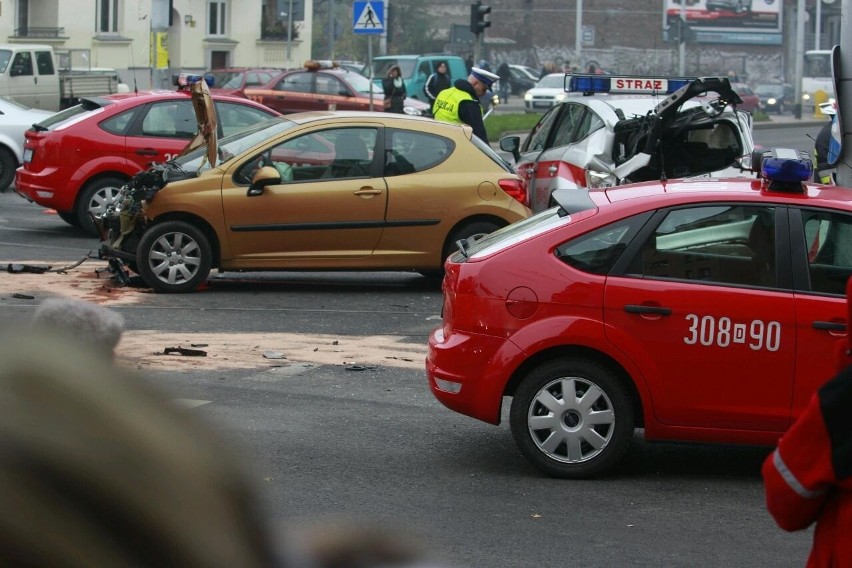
[{"x": 808, "y": 478}]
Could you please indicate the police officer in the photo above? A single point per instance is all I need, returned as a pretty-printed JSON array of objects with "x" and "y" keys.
[
  {"x": 460, "y": 103},
  {"x": 823, "y": 172}
]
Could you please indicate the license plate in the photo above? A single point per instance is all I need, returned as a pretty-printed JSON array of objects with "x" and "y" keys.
[
  {"x": 538, "y": 104},
  {"x": 28, "y": 155}
]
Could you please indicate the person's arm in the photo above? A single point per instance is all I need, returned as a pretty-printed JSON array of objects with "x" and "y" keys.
[
  {"x": 387, "y": 87},
  {"x": 799, "y": 473},
  {"x": 429, "y": 87},
  {"x": 471, "y": 113}
]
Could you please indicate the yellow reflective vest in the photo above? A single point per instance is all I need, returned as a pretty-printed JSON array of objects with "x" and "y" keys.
[{"x": 446, "y": 107}]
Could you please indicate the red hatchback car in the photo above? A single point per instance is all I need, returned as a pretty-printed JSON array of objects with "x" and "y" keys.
[
  {"x": 699, "y": 310},
  {"x": 76, "y": 160}
]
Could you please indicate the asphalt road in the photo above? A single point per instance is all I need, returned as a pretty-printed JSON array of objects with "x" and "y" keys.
[{"x": 329, "y": 442}]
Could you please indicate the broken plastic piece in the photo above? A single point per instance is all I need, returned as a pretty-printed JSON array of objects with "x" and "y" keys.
[
  {"x": 184, "y": 351},
  {"x": 19, "y": 268}
]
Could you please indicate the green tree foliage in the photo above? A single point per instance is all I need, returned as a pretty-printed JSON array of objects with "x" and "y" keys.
[{"x": 411, "y": 29}]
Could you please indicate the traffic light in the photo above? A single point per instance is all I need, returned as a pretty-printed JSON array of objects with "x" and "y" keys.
[
  {"x": 478, "y": 23},
  {"x": 679, "y": 31}
]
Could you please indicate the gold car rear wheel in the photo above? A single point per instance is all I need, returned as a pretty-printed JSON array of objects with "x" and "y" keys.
[{"x": 174, "y": 257}]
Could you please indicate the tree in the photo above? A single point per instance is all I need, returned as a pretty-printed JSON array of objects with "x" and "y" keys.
[{"x": 409, "y": 25}]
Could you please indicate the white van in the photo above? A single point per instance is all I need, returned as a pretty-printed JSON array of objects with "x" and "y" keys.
[{"x": 29, "y": 75}]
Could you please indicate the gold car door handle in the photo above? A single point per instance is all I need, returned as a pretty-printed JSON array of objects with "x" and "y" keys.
[{"x": 368, "y": 191}]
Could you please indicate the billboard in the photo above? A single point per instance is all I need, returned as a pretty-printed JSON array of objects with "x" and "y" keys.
[{"x": 729, "y": 21}]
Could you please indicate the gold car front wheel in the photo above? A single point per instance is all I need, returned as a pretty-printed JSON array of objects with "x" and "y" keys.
[{"x": 174, "y": 257}]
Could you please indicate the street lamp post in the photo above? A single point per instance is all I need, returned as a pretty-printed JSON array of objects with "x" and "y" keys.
[
  {"x": 289, "y": 33},
  {"x": 578, "y": 41}
]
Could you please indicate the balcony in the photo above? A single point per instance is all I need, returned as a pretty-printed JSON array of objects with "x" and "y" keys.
[{"x": 39, "y": 33}]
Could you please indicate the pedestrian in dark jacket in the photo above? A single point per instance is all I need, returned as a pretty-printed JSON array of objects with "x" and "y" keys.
[
  {"x": 437, "y": 82},
  {"x": 808, "y": 478},
  {"x": 395, "y": 93},
  {"x": 505, "y": 74}
]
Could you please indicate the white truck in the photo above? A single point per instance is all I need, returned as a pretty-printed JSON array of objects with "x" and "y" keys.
[{"x": 29, "y": 74}]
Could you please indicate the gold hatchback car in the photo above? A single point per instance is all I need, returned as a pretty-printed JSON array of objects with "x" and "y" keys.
[{"x": 313, "y": 191}]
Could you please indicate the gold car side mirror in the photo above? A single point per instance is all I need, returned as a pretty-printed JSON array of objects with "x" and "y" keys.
[{"x": 265, "y": 176}]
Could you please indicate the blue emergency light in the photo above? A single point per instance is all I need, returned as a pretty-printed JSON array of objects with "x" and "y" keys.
[
  {"x": 187, "y": 79},
  {"x": 626, "y": 84},
  {"x": 784, "y": 168}
]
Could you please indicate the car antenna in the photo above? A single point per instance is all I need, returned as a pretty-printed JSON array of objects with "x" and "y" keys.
[{"x": 135, "y": 85}]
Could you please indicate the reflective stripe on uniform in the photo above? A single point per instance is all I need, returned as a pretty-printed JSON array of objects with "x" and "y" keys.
[
  {"x": 446, "y": 107},
  {"x": 791, "y": 481}
]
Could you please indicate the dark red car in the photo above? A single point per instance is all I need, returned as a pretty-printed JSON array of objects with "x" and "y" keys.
[
  {"x": 751, "y": 102},
  {"x": 324, "y": 88},
  {"x": 76, "y": 160},
  {"x": 235, "y": 80}
]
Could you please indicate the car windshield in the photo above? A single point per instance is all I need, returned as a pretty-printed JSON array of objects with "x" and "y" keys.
[
  {"x": 527, "y": 72},
  {"x": 556, "y": 81},
  {"x": 381, "y": 66},
  {"x": 362, "y": 84},
  {"x": 5, "y": 56},
  {"x": 14, "y": 103},
  {"x": 227, "y": 79},
  {"x": 74, "y": 114},
  {"x": 488, "y": 151},
  {"x": 517, "y": 232},
  {"x": 236, "y": 144},
  {"x": 770, "y": 90}
]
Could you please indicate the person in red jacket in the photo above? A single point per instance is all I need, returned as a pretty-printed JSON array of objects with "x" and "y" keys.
[{"x": 808, "y": 478}]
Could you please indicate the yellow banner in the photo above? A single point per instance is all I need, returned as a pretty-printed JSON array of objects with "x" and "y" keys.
[{"x": 160, "y": 50}]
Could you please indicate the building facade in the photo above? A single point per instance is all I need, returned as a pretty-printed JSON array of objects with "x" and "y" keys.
[{"x": 149, "y": 40}]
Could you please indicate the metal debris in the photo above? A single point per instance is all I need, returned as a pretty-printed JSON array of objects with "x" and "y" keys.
[
  {"x": 274, "y": 355},
  {"x": 360, "y": 368}
]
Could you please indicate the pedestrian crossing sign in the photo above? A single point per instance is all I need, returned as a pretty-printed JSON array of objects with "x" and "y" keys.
[{"x": 368, "y": 17}]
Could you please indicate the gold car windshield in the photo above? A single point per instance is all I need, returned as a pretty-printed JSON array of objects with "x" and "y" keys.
[{"x": 235, "y": 144}]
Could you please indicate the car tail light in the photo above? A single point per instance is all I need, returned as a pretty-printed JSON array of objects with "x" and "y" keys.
[{"x": 515, "y": 189}]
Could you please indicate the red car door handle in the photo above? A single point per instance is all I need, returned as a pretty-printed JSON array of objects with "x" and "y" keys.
[
  {"x": 657, "y": 310},
  {"x": 552, "y": 169},
  {"x": 146, "y": 152}
]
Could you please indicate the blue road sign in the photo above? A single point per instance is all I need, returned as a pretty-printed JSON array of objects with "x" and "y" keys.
[{"x": 368, "y": 17}]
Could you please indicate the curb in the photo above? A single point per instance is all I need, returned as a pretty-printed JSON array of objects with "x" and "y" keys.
[{"x": 809, "y": 122}]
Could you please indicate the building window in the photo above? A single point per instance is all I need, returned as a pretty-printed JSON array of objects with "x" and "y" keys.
[
  {"x": 216, "y": 18},
  {"x": 107, "y": 16},
  {"x": 23, "y": 17}
]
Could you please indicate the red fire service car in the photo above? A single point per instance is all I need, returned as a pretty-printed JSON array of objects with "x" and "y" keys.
[
  {"x": 699, "y": 310},
  {"x": 612, "y": 130}
]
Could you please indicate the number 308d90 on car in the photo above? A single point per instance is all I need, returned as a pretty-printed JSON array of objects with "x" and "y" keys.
[{"x": 699, "y": 310}]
